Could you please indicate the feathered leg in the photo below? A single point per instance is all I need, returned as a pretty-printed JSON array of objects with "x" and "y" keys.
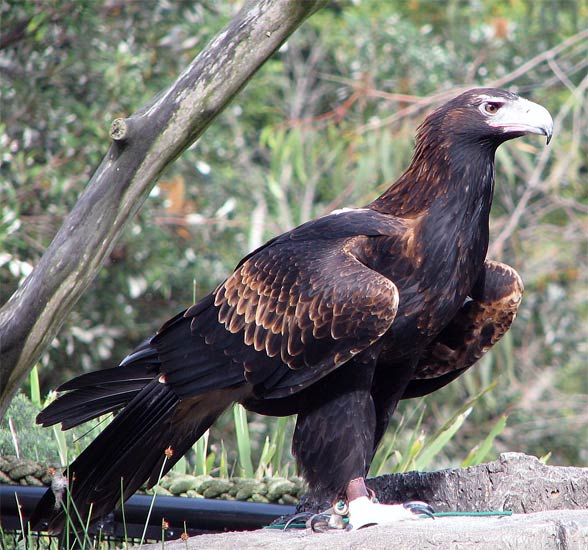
[
  {"x": 335, "y": 466},
  {"x": 340, "y": 404}
]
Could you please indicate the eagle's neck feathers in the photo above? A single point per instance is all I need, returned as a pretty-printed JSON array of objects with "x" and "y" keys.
[
  {"x": 445, "y": 196},
  {"x": 450, "y": 171}
]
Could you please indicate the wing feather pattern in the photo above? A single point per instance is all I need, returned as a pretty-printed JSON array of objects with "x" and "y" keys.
[
  {"x": 292, "y": 311},
  {"x": 296, "y": 309}
]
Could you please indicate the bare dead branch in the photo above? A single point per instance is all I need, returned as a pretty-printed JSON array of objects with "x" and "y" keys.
[{"x": 424, "y": 103}]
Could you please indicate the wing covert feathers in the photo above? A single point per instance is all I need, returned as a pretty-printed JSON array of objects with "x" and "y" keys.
[{"x": 308, "y": 305}]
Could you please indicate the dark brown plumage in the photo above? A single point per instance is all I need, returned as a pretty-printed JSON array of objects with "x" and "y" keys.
[{"x": 336, "y": 321}]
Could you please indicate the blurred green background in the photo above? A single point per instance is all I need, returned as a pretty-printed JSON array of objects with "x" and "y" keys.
[{"x": 329, "y": 121}]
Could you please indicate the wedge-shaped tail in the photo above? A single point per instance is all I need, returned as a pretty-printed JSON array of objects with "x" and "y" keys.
[{"x": 146, "y": 438}]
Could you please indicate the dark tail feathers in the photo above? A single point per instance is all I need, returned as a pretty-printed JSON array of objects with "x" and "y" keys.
[{"x": 133, "y": 447}]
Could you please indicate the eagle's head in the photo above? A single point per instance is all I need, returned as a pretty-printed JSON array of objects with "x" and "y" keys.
[{"x": 490, "y": 115}]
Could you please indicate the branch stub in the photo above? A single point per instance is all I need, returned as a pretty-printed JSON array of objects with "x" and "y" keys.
[{"x": 119, "y": 129}]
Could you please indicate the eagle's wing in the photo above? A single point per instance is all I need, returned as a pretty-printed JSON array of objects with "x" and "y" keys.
[
  {"x": 293, "y": 310},
  {"x": 479, "y": 324}
]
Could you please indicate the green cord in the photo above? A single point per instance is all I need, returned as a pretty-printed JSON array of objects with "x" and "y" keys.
[
  {"x": 281, "y": 526},
  {"x": 498, "y": 513}
]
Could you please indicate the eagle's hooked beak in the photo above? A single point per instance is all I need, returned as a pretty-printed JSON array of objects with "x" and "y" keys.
[{"x": 523, "y": 117}]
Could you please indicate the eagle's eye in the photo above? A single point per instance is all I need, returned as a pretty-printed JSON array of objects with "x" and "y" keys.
[{"x": 491, "y": 107}]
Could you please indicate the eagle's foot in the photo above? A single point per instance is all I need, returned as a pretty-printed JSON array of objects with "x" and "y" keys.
[
  {"x": 360, "y": 512},
  {"x": 364, "y": 511},
  {"x": 332, "y": 518},
  {"x": 336, "y": 517},
  {"x": 420, "y": 508},
  {"x": 360, "y": 508},
  {"x": 364, "y": 508}
]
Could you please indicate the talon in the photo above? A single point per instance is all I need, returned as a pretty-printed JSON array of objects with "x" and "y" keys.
[
  {"x": 320, "y": 523},
  {"x": 295, "y": 517},
  {"x": 420, "y": 508}
]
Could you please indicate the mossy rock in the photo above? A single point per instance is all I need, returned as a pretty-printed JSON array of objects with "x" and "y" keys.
[
  {"x": 160, "y": 491},
  {"x": 215, "y": 487},
  {"x": 33, "y": 481},
  {"x": 243, "y": 488},
  {"x": 5, "y": 479},
  {"x": 225, "y": 496},
  {"x": 167, "y": 480},
  {"x": 14, "y": 471},
  {"x": 200, "y": 482},
  {"x": 22, "y": 469},
  {"x": 277, "y": 487},
  {"x": 288, "y": 499},
  {"x": 182, "y": 484},
  {"x": 6, "y": 461},
  {"x": 259, "y": 498}
]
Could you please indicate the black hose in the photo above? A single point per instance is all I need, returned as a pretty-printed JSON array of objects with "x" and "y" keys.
[{"x": 198, "y": 515}]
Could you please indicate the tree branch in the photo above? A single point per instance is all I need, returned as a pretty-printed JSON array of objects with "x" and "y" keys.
[{"x": 144, "y": 144}]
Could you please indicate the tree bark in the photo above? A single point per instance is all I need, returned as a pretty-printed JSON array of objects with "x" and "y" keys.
[
  {"x": 143, "y": 145},
  {"x": 515, "y": 482}
]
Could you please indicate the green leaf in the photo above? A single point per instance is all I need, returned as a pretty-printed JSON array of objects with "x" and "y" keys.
[
  {"x": 210, "y": 460},
  {"x": 201, "y": 450},
  {"x": 414, "y": 445},
  {"x": 243, "y": 440},
  {"x": 413, "y": 451},
  {"x": 545, "y": 458},
  {"x": 223, "y": 470},
  {"x": 279, "y": 439},
  {"x": 61, "y": 444},
  {"x": 480, "y": 452},
  {"x": 181, "y": 466},
  {"x": 265, "y": 459},
  {"x": 432, "y": 449},
  {"x": 35, "y": 387}
]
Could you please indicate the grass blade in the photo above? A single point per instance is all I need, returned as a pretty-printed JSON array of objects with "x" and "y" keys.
[
  {"x": 168, "y": 454},
  {"x": 243, "y": 441},
  {"x": 14, "y": 437},
  {"x": 181, "y": 466},
  {"x": 388, "y": 450},
  {"x": 479, "y": 453},
  {"x": 61, "y": 445},
  {"x": 124, "y": 518},
  {"x": 431, "y": 449},
  {"x": 35, "y": 387},
  {"x": 265, "y": 467},
  {"x": 415, "y": 444},
  {"x": 279, "y": 439},
  {"x": 223, "y": 470},
  {"x": 413, "y": 451},
  {"x": 201, "y": 450}
]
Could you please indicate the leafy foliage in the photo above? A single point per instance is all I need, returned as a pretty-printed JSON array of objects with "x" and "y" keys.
[
  {"x": 24, "y": 438},
  {"x": 327, "y": 122}
]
